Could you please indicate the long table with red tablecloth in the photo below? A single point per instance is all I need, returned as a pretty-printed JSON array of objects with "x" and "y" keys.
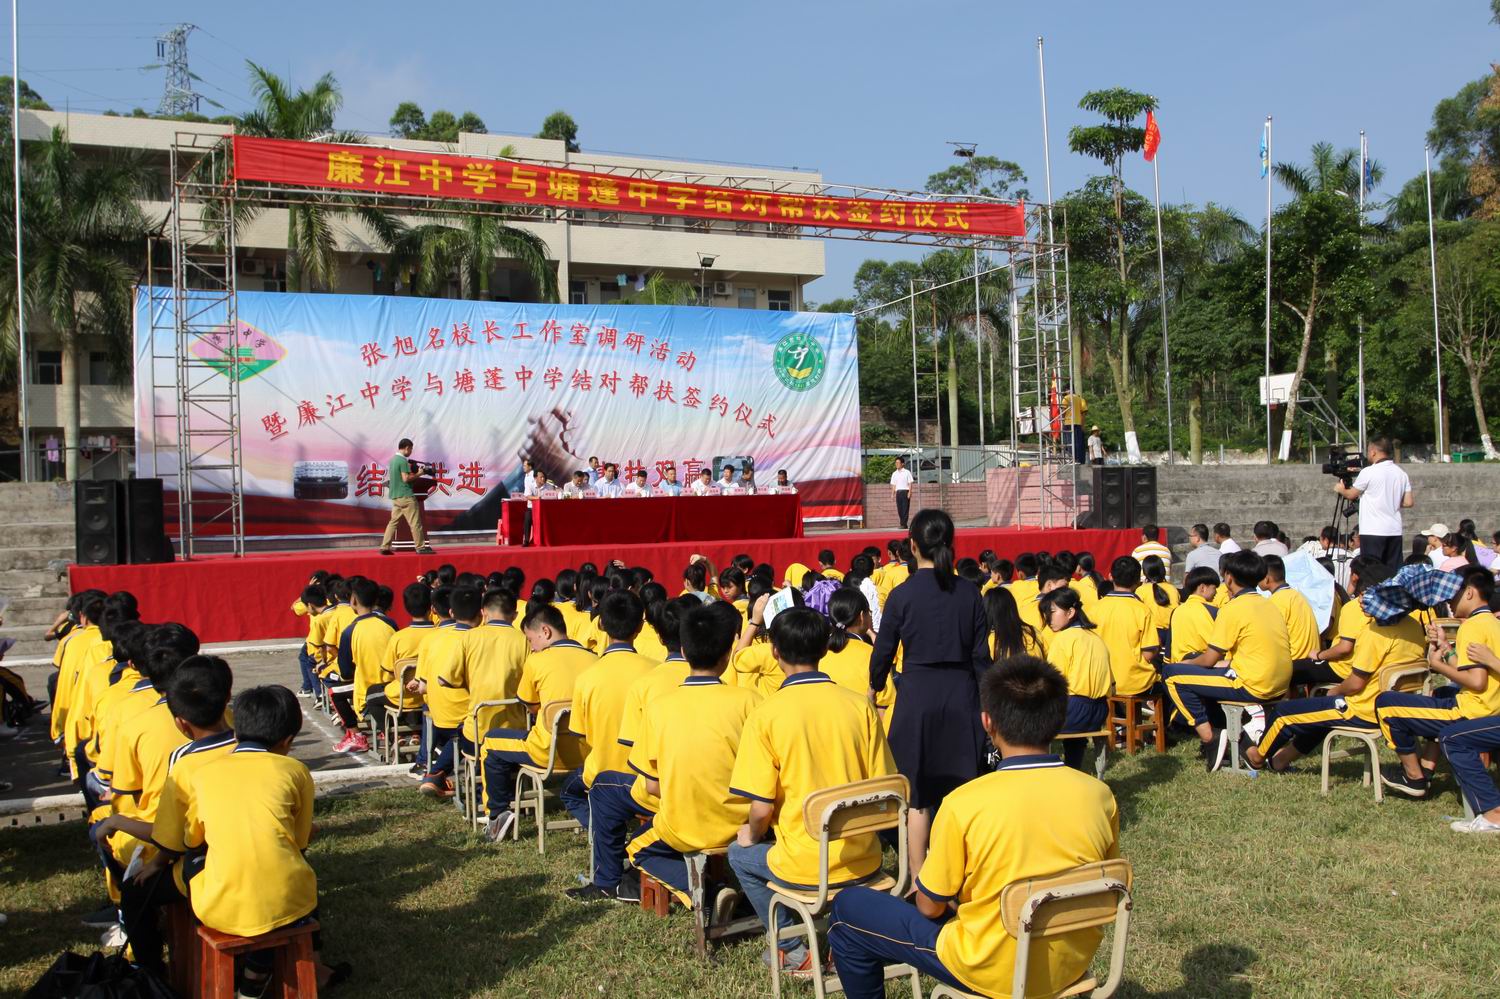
[{"x": 651, "y": 520}]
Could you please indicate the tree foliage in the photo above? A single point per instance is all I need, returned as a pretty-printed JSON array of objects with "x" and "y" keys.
[
  {"x": 409, "y": 122},
  {"x": 560, "y": 126}
]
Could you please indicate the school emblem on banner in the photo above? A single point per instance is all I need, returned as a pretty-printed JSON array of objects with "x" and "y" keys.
[
  {"x": 254, "y": 352},
  {"x": 799, "y": 361}
]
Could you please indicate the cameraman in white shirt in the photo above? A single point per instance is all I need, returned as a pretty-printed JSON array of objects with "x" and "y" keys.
[{"x": 1383, "y": 490}]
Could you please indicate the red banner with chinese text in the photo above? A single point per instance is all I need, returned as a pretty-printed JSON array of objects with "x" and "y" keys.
[{"x": 439, "y": 175}]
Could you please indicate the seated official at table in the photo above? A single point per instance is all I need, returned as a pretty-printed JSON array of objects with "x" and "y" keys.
[
  {"x": 609, "y": 485},
  {"x": 747, "y": 480},
  {"x": 782, "y": 482},
  {"x": 637, "y": 486},
  {"x": 726, "y": 482},
  {"x": 705, "y": 484},
  {"x": 575, "y": 489},
  {"x": 671, "y": 486}
]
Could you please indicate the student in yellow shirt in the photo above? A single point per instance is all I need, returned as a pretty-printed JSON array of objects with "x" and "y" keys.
[
  {"x": 1331, "y": 665},
  {"x": 73, "y": 654},
  {"x": 1193, "y": 620},
  {"x": 1032, "y": 817},
  {"x": 197, "y": 696},
  {"x": 550, "y": 674},
  {"x": 128, "y": 644},
  {"x": 405, "y": 644},
  {"x": 1159, "y": 595},
  {"x": 442, "y": 656},
  {"x": 809, "y": 735},
  {"x": 314, "y": 601},
  {"x": 1128, "y": 627},
  {"x": 1464, "y": 741},
  {"x": 1083, "y": 659},
  {"x": 97, "y": 671},
  {"x": 1301, "y": 622},
  {"x": 252, "y": 813},
  {"x": 1251, "y": 634},
  {"x": 618, "y": 798},
  {"x": 1474, "y": 693},
  {"x": 1048, "y": 578},
  {"x": 1024, "y": 587},
  {"x": 732, "y": 592},
  {"x": 361, "y": 650},
  {"x": 1296, "y": 728},
  {"x": 339, "y": 615},
  {"x": 849, "y": 643},
  {"x": 828, "y": 565},
  {"x": 1010, "y": 633},
  {"x": 688, "y": 752}
]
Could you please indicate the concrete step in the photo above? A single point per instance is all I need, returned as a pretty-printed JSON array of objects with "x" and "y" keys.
[
  {"x": 29, "y": 643},
  {"x": 23, "y": 611},
  {"x": 37, "y": 534},
  {"x": 32, "y": 583},
  {"x": 35, "y": 559},
  {"x": 36, "y": 501}
]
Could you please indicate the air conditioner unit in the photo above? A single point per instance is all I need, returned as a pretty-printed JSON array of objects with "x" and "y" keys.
[
  {"x": 249, "y": 265},
  {"x": 723, "y": 289}
]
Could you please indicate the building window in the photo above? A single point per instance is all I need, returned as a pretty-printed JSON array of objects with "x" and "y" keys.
[
  {"x": 747, "y": 297},
  {"x": 99, "y": 368},
  {"x": 48, "y": 368},
  {"x": 779, "y": 301},
  {"x": 609, "y": 292},
  {"x": 578, "y": 293}
]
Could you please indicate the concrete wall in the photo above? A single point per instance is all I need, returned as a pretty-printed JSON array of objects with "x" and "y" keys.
[
  {"x": 1300, "y": 498},
  {"x": 964, "y": 501}
]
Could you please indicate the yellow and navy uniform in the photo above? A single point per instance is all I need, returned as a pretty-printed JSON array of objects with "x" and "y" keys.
[
  {"x": 1161, "y": 615},
  {"x": 1025, "y": 590},
  {"x": 1221, "y": 595},
  {"x": 446, "y": 705},
  {"x": 253, "y": 810},
  {"x": 549, "y": 675},
  {"x": 71, "y": 655},
  {"x": 810, "y": 735},
  {"x": 1031, "y": 613},
  {"x": 756, "y": 668},
  {"x": 362, "y": 648},
  {"x": 1088, "y": 593},
  {"x": 1031, "y": 818},
  {"x": 1404, "y": 717},
  {"x": 169, "y": 828},
  {"x": 850, "y": 666},
  {"x": 1381, "y": 649},
  {"x": 1352, "y": 623},
  {"x": 1301, "y": 622},
  {"x": 1129, "y": 630},
  {"x": 142, "y": 755},
  {"x": 599, "y": 697},
  {"x": 126, "y": 677},
  {"x": 1252, "y": 635},
  {"x": 93, "y": 679},
  {"x": 895, "y": 574},
  {"x": 638, "y": 699},
  {"x": 648, "y": 643},
  {"x": 1083, "y": 659},
  {"x": 120, "y": 704},
  {"x": 489, "y": 667},
  {"x": 575, "y": 622},
  {"x": 833, "y": 574},
  {"x": 314, "y": 628},
  {"x": 689, "y": 747},
  {"x": 405, "y": 644},
  {"x": 1192, "y": 624},
  {"x": 334, "y": 621}
]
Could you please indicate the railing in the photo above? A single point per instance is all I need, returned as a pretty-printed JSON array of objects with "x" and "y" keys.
[{"x": 49, "y": 464}]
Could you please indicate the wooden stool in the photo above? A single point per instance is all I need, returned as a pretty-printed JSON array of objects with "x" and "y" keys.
[
  {"x": 295, "y": 969},
  {"x": 655, "y": 896},
  {"x": 1129, "y": 725},
  {"x": 183, "y": 956}
]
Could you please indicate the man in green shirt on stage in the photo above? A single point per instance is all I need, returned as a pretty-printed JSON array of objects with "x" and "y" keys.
[{"x": 404, "y": 505}]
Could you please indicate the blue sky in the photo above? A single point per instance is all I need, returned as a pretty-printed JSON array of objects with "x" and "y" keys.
[{"x": 868, "y": 93}]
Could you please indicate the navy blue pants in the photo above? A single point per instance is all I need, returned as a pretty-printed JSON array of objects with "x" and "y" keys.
[
  {"x": 1405, "y": 718},
  {"x": 574, "y": 795},
  {"x": 1462, "y": 742},
  {"x": 309, "y": 670},
  {"x": 659, "y": 860},
  {"x": 500, "y": 769},
  {"x": 869, "y": 930},
  {"x": 1306, "y": 722},
  {"x": 444, "y": 764},
  {"x": 616, "y": 816},
  {"x": 1085, "y": 714},
  {"x": 1197, "y": 691}
]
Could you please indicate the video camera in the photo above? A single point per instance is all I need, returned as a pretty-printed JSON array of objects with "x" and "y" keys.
[{"x": 1343, "y": 464}]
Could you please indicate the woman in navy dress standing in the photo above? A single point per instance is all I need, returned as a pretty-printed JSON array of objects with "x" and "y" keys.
[{"x": 938, "y": 619}]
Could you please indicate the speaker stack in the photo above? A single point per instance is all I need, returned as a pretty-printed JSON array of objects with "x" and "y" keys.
[
  {"x": 119, "y": 521},
  {"x": 1124, "y": 496}
]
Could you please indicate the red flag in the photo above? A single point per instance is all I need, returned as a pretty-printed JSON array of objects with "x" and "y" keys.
[{"x": 1153, "y": 137}]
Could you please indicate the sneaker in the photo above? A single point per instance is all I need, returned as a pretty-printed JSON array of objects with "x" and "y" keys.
[
  {"x": 1247, "y": 744},
  {"x": 724, "y": 905},
  {"x": 499, "y": 827},
  {"x": 590, "y": 893},
  {"x": 1215, "y": 750},
  {"x": 304, "y": 693},
  {"x": 102, "y": 918},
  {"x": 113, "y": 937},
  {"x": 343, "y": 744},
  {"x": 1478, "y": 824},
  {"x": 1395, "y": 778},
  {"x": 436, "y": 787},
  {"x": 252, "y": 988},
  {"x": 795, "y": 963},
  {"x": 359, "y": 743},
  {"x": 417, "y": 771},
  {"x": 628, "y": 890},
  {"x": 425, "y": 550},
  {"x": 386, "y": 551}
]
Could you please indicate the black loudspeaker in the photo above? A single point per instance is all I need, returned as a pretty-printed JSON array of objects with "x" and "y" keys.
[
  {"x": 146, "y": 531},
  {"x": 1142, "y": 489},
  {"x": 1111, "y": 498},
  {"x": 99, "y": 522}
]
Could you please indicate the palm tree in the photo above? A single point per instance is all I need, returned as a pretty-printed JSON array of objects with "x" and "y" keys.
[
  {"x": 955, "y": 315},
  {"x": 83, "y": 243},
  {"x": 307, "y": 115},
  {"x": 658, "y": 289},
  {"x": 434, "y": 251}
]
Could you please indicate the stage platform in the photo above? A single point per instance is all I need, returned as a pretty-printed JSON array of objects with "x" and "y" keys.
[{"x": 225, "y": 599}]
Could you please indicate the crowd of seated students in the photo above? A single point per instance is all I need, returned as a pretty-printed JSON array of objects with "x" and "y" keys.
[{"x": 702, "y": 720}]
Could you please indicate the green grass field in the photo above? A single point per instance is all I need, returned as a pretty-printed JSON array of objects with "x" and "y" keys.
[{"x": 1243, "y": 888}]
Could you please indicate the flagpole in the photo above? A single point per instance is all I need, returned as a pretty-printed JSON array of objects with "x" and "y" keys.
[
  {"x": 22, "y": 367},
  {"x": 1166, "y": 349},
  {"x": 1266, "y": 165},
  {"x": 1437, "y": 340},
  {"x": 1364, "y": 159}
]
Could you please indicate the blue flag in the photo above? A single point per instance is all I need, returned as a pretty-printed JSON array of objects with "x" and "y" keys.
[
  {"x": 1369, "y": 168},
  {"x": 1265, "y": 151}
]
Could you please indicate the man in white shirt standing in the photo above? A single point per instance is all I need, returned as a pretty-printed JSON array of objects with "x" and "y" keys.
[
  {"x": 594, "y": 470},
  {"x": 609, "y": 485},
  {"x": 669, "y": 484},
  {"x": 1096, "y": 447},
  {"x": 901, "y": 485},
  {"x": 1383, "y": 490}
]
